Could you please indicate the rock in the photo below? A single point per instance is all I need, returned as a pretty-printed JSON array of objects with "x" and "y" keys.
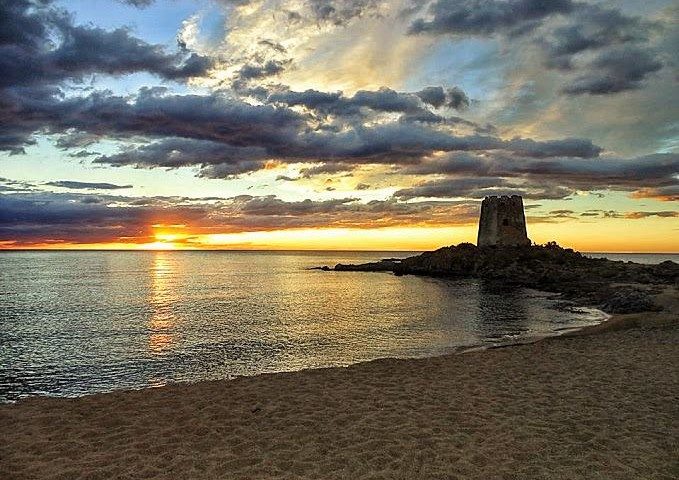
[
  {"x": 629, "y": 300},
  {"x": 544, "y": 267}
]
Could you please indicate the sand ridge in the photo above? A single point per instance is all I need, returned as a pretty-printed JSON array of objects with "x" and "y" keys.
[{"x": 600, "y": 406}]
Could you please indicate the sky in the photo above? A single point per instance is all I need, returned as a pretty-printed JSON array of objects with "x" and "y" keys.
[{"x": 336, "y": 124}]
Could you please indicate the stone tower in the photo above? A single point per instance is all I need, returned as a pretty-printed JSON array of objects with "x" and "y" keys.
[{"x": 502, "y": 222}]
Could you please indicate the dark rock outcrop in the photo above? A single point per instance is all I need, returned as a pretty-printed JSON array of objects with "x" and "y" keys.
[{"x": 592, "y": 281}]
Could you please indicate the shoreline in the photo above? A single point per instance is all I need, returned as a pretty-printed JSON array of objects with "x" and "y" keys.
[
  {"x": 599, "y": 402},
  {"x": 453, "y": 350},
  {"x": 610, "y": 323}
]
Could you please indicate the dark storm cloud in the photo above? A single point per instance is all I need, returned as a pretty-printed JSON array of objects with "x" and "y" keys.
[
  {"x": 73, "y": 185},
  {"x": 659, "y": 167},
  {"x": 434, "y": 96},
  {"x": 245, "y": 131},
  {"x": 83, "y": 154},
  {"x": 481, "y": 187},
  {"x": 309, "y": 98},
  {"x": 41, "y": 48},
  {"x": 204, "y": 117},
  {"x": 569, "y": 33},
  {"x": 606, "y": 49},
  {"x": 46, "y": 217},
  {"x": 385, "y": 100},
  {"x": 223, "y": 136},
  {"x": 40, "y": 217},
  {"x": 322, "y": 169},
  {"x": 453, "y": 187},
  {"x": 269, "y": 212},
  {"x": 41, "y": 45},
  {"x": 9, "y": 185},
  {"x": 425, "y": 116},
  {"x": 257, "y": 71},
  {"x": 382, "y": 100},
  {"x": 214, "y": 157},
  {"x": 591, "y": 27},
  {"x": 270, "y": 205},
  {"x": 647, "y": 176},
  {"x": 453, "y": 97},
  {"x": 457, "y": 99},
  {"x": 485, "y": 17},
  {"x": 616, "y": 70},
  {"x": 575, "y": 147},
  {"x": 326, "y": 168},
  {"x": 76, "y": 140},
  {"x": 230, "y": 170},
  {"x": 408, "y": 143}
]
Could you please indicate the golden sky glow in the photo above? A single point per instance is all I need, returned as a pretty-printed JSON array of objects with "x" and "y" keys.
[{"x": 611, "y": 235}]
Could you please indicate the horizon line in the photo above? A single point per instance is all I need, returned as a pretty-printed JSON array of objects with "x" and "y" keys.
[{"x": 43, "y": 249}]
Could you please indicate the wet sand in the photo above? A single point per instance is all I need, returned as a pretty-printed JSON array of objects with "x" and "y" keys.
[{"x": 603, "y": 406}]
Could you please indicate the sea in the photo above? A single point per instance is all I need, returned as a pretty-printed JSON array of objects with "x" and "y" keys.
[{"x": 75, "y": 323}]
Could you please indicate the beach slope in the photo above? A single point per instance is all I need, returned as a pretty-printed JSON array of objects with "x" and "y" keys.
[{"x": 587, "y": 406}]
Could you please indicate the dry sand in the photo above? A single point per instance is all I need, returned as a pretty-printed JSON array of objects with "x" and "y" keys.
[{"x": 602, "y": 406}]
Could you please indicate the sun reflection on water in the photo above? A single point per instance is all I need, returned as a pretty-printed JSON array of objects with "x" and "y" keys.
[{"x": 161, "y": 299}]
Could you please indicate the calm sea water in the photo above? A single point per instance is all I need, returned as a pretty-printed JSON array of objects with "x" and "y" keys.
[
  {"x": 650, "y": 258},
  {"x": 75, "y": 323}
]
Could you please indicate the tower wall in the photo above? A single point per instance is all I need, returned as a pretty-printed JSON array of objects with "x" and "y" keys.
[{"x": 502, "y": 222}]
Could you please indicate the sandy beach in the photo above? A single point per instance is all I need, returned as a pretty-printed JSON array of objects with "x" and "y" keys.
[{"x": 604, "y": 405}]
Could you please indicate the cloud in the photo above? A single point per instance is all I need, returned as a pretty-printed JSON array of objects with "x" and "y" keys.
[
  {"x": 9, "y": 185},
  {"x": 325, "y": 168},
  {"x": 457, "y": 99},
  {"x": 661, "y": 214},
  {"x": 638, "y": 215},
  {"x": 47, "y": 217},
  {"x": 606, "y": 51},
  {"x": 645, "y": 176},
  {"x": 224, "y": 133},
  {"x": 242, "y": 134},
  {"x": 216, "y": 159},
  {"x": 137, "y": 3},
  {"x": 73, "y": 185},
  {"x": 382, "y": 100},
  {"x": 339, "y": 12},
  {"x": 437, "y": 97},
  {"x": 591, "y": 27},
  {"x": 434, "y": 96},
  {"x": 203, "y": 117},
  {"x": 667, "y": 193},
  {"x": 258, "y": 71},
  {"x": 53, "y": 49},
  {"x": 485, "y": 17},
  {"x": 480, "y": 187},
  {"x": 616, "y": 70}
]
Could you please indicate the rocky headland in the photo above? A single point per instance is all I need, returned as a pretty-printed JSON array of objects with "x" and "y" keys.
[{"x": 615, "y": 287}]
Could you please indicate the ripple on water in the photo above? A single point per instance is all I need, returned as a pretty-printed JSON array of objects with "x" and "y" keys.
[{"x": 76, "y": 323}]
